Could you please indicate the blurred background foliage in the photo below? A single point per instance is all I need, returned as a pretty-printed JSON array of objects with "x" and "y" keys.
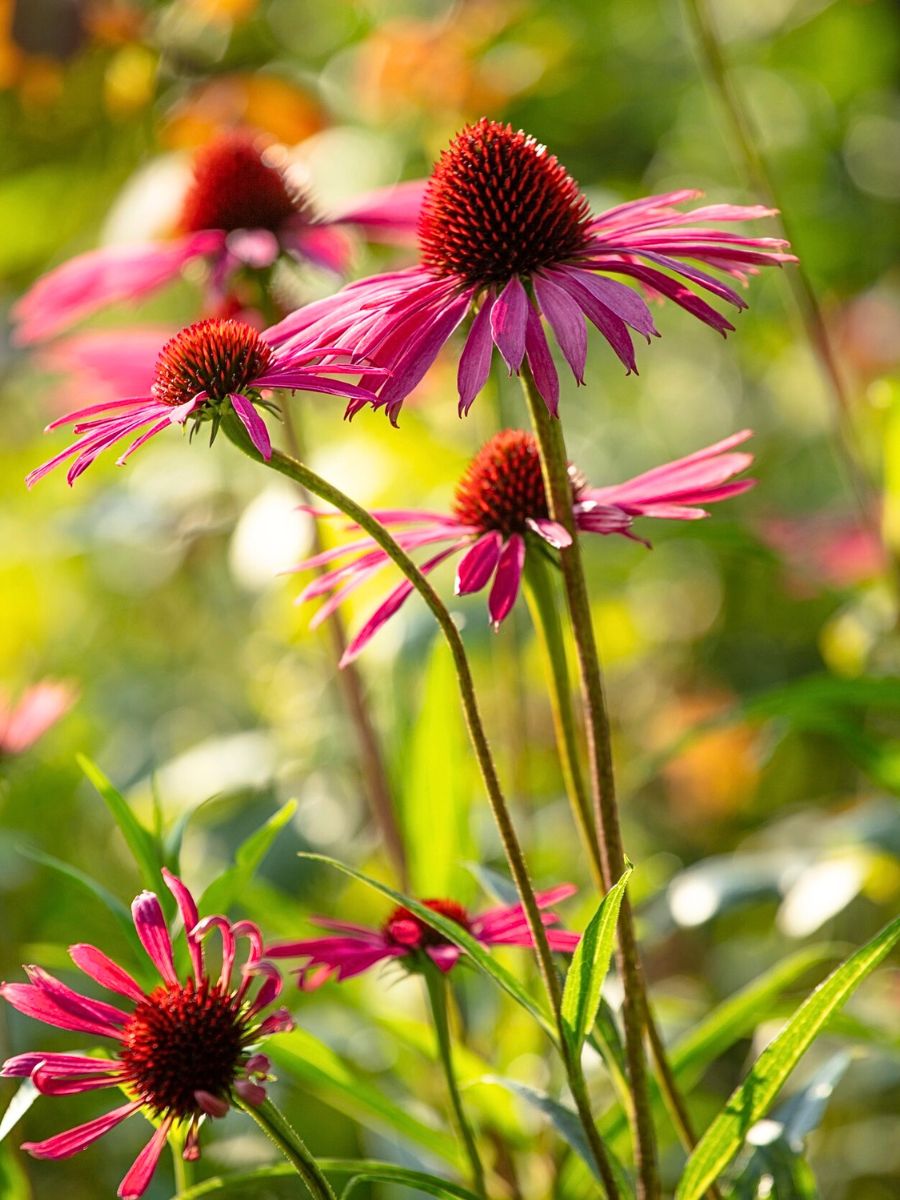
[{"x": 752, "y": 659}]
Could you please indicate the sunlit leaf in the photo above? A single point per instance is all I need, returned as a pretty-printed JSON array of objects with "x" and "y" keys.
[
  {"x": 25, "y": 1095},
  {"x": 751, "y": 1100},
  {"x": 363, "y": 1170},
  {"x": 139, "y": 841},
  {"x": 226, "y": 888}
]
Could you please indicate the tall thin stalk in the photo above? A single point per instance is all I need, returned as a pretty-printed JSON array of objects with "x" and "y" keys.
[
  {"x": 278, "y": 1129},
  {"x": 376, "y": 786},
  {"x": 515, "y": 858}
]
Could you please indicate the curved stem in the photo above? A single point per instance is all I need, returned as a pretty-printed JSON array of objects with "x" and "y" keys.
[
  {"x": 515, "y": 857},
  {"x": 438, "y": 995},
  {"x": 278, "y": 1129},
  {"x": 555, "y": 467},
  {"x": 376, "y": 787}
]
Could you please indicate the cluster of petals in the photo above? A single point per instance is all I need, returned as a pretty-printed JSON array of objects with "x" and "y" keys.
[
  {"x": 22, "y": 723},
  {"x": 222, "y": 1021},
  {"x": 403, "y": 318},
  {"x": 676, "y": 491},
  {"x": 253, "y": 364},
  {"x": 355, "y": 948},
  {"x": 231, "y": 167}
]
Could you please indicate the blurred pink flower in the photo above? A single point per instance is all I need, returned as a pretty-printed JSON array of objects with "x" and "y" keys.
[
  {"x": 505, "y": 233},
  {"x": 182, "y": 1051},
  {"x": 404, "y": 936},
  {"x": 206, "y": 370},
  {"x": 831, "y": 549},
  {"x": 241, "y": 210},
  {"x": 23, "y": 723},
  {"x": 500, "y": 504}
]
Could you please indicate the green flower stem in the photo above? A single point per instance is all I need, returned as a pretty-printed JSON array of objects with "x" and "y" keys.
[
  {"x": 376, "y": 787},
  {"x": 184, "y": 1170},
  {"x": 713, "y": 62},
  {"x": 545, "y": 615},
  {"x": 277, "y": 1128},
  {"x": 438, "y": 995},
  {"x": 515, "y": 858},
  {"x": 554, "y": 464}
]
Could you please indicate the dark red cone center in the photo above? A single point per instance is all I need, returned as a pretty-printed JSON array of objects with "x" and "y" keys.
[
  {"x": 183, "y": 1038},
  {"x": 498, "y": 205},
  {"x": 404, "y": 928},
  {"x": 216, "y": 356},
  {"x": 236, "y": 185},
  {"x": 502, "y": 485}
]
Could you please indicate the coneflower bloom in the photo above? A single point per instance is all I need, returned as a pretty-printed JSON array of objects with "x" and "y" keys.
[
  {"x": 204, "y": 371},
  {"x": 182, "y": 1051},
  {"x": 241, "y": 209},
  {"x": 501, "y": 505},
  {"x": 506, "y": 234},
  {"x": 41, "y": 707},
  {"x": 404, "y": 936}
]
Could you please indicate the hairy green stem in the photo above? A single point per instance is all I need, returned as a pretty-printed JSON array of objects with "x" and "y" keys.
[
  {"x": 376, "y": 787},
  {"x": 278, "y": 1129},
  {"x": 555, "y": 467},
  {"x": 515, "y": 857},
  {"x": 183, "y": 1169},
  {"x": 438, "y": 995},
  {"x": 760, "y": 176}
]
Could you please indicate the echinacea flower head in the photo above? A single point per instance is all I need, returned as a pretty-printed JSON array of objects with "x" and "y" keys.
[
  {"x": 204, "y": 372},
  {"x": 506, "y": 235},
  {"x": 405, "y": 937},
  {"x": 242, "y": 209},
  {"x": 182, "y": 1051},
  {"x": 22, "y": 723},
  {"x": 500, "y": 510}
]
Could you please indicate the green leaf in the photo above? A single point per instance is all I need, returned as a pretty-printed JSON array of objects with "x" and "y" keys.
[
  {"x": 227, "y": 887},
  {"x": 589, "y": 966},
  {"x": 439, "y": 783},
  {"x": 139, "y": 841},
  {"x": 453, "y": 933},
  {"x": 361, "y": 1170},
  {"x": 25, "y": 1095},
  {"x": 13, "y": 1180},
  {"x": 112, "y": 903},
  {"x": 312, "y": 1064},
  {"x": 751, "y": 1100},
  {"x": 568, "y": 1126}
]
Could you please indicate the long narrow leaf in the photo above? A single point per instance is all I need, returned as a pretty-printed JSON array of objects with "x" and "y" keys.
[
  {"x": 751, "y": 1100},
  {"x": 453, "y": 933},
  {"x": 139, "y": 841},
  {"x": 589, "y": 966},
  {"x": 362, "y": 1170},
  {"x": 226, "y": 888}
]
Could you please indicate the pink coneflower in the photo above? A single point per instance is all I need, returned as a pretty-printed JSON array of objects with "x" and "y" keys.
[
  {"x": 405, "y": 936},
  {"x": 182, "y": 1051},
  {"x": 205, "y": 371},
  {"x": 500, "y": 505},
  {"x": 506, "y": 234},
  {"x": 23, "y": 723},
  {"x": 242, "y": 209}
]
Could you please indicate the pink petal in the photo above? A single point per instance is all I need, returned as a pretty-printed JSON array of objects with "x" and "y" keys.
[
  {"x": 508, "y": 318},
  {"x": 151, "y": 929},
  {"x": 328, "y": 248},
  {"x": 507, "y": 579},
  {"x": 552, "y": 532},
  {"x": 249, "y": 1092},
  {"x": 253, "y": 247},
  {"x": 203, "y": 927},
  {"x": 477, "y": 565},
  {"x": 189, "y": 918},
  {"x": 612, "y": 327},
  {"x": 213, "y": 1106},
  {"x": 36, "y": 1003},
  {"x": 104, "y": 971},
  {"x": 444, "y": 957},
  {"x": 475, "y": 360},
  {"x": 566, "y": 320},
  {"x": 138, "y": 1178},
  {"x": 65, "y": 996},
  {"x": 253, "y": 423},
  {"x": 390, "y": 214},
  {"x": 51, "y": 1083},
  {"x": 541, "y": 363},
  {"x": 24, "y": 1065},
  {"x": 618, "y": 298},
  {"x": 63, "y": 1145}
]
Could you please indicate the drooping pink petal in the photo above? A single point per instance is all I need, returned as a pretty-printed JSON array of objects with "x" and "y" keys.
[
  {"x": 328, "y": 248},
  {"x": 566, "y": 320},
  {"x": 223, "y": 925},
  {"x": 21, "y": 1066},
  {"x": 63, "y": 1145},
  {"x": 150, "y": 924},
  {"x": 618, "y": 298},
  {"x": 444, "y": 957},
  {"x": 81, "y": 1018},
  {"x": 508, "y": 317},
  {"x": 552, "y": 532},
  {"x": 541, "y": 363},
  {"x": 388, "y": 214},
  {"x": 253, "y": 423},
  {"x": 475, "y": 360},
  {"x": 213, "y": 1106},
  {"x": 50, "y": 1082},
  {"x": 507, "y": 579},
  {"x": 189, "y": 918},
  {"x": 279, "y": 1021},
  {"x": 477, "y": 565},
  {"x": 256, "y": 248},
  {"x": 137, "y": 1180},
  {"x": 104, "y": 971},
  {"x": 612, "y": 327},
  {"x": 250, "y": 1092}
]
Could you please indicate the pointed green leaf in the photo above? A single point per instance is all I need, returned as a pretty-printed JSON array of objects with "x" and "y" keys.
[
  {"x": 227, "y": 887},
  {"x": 362, "y": 1170},
  {"x": 589, "y": 966},
  {"x": 751, "y": 1100},
  {"x": 112, "y": 903},
  {"x": 25, "y": 1095},
  {"x": 139, "y": 841},
  {"x": 453, "y": 933}
]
